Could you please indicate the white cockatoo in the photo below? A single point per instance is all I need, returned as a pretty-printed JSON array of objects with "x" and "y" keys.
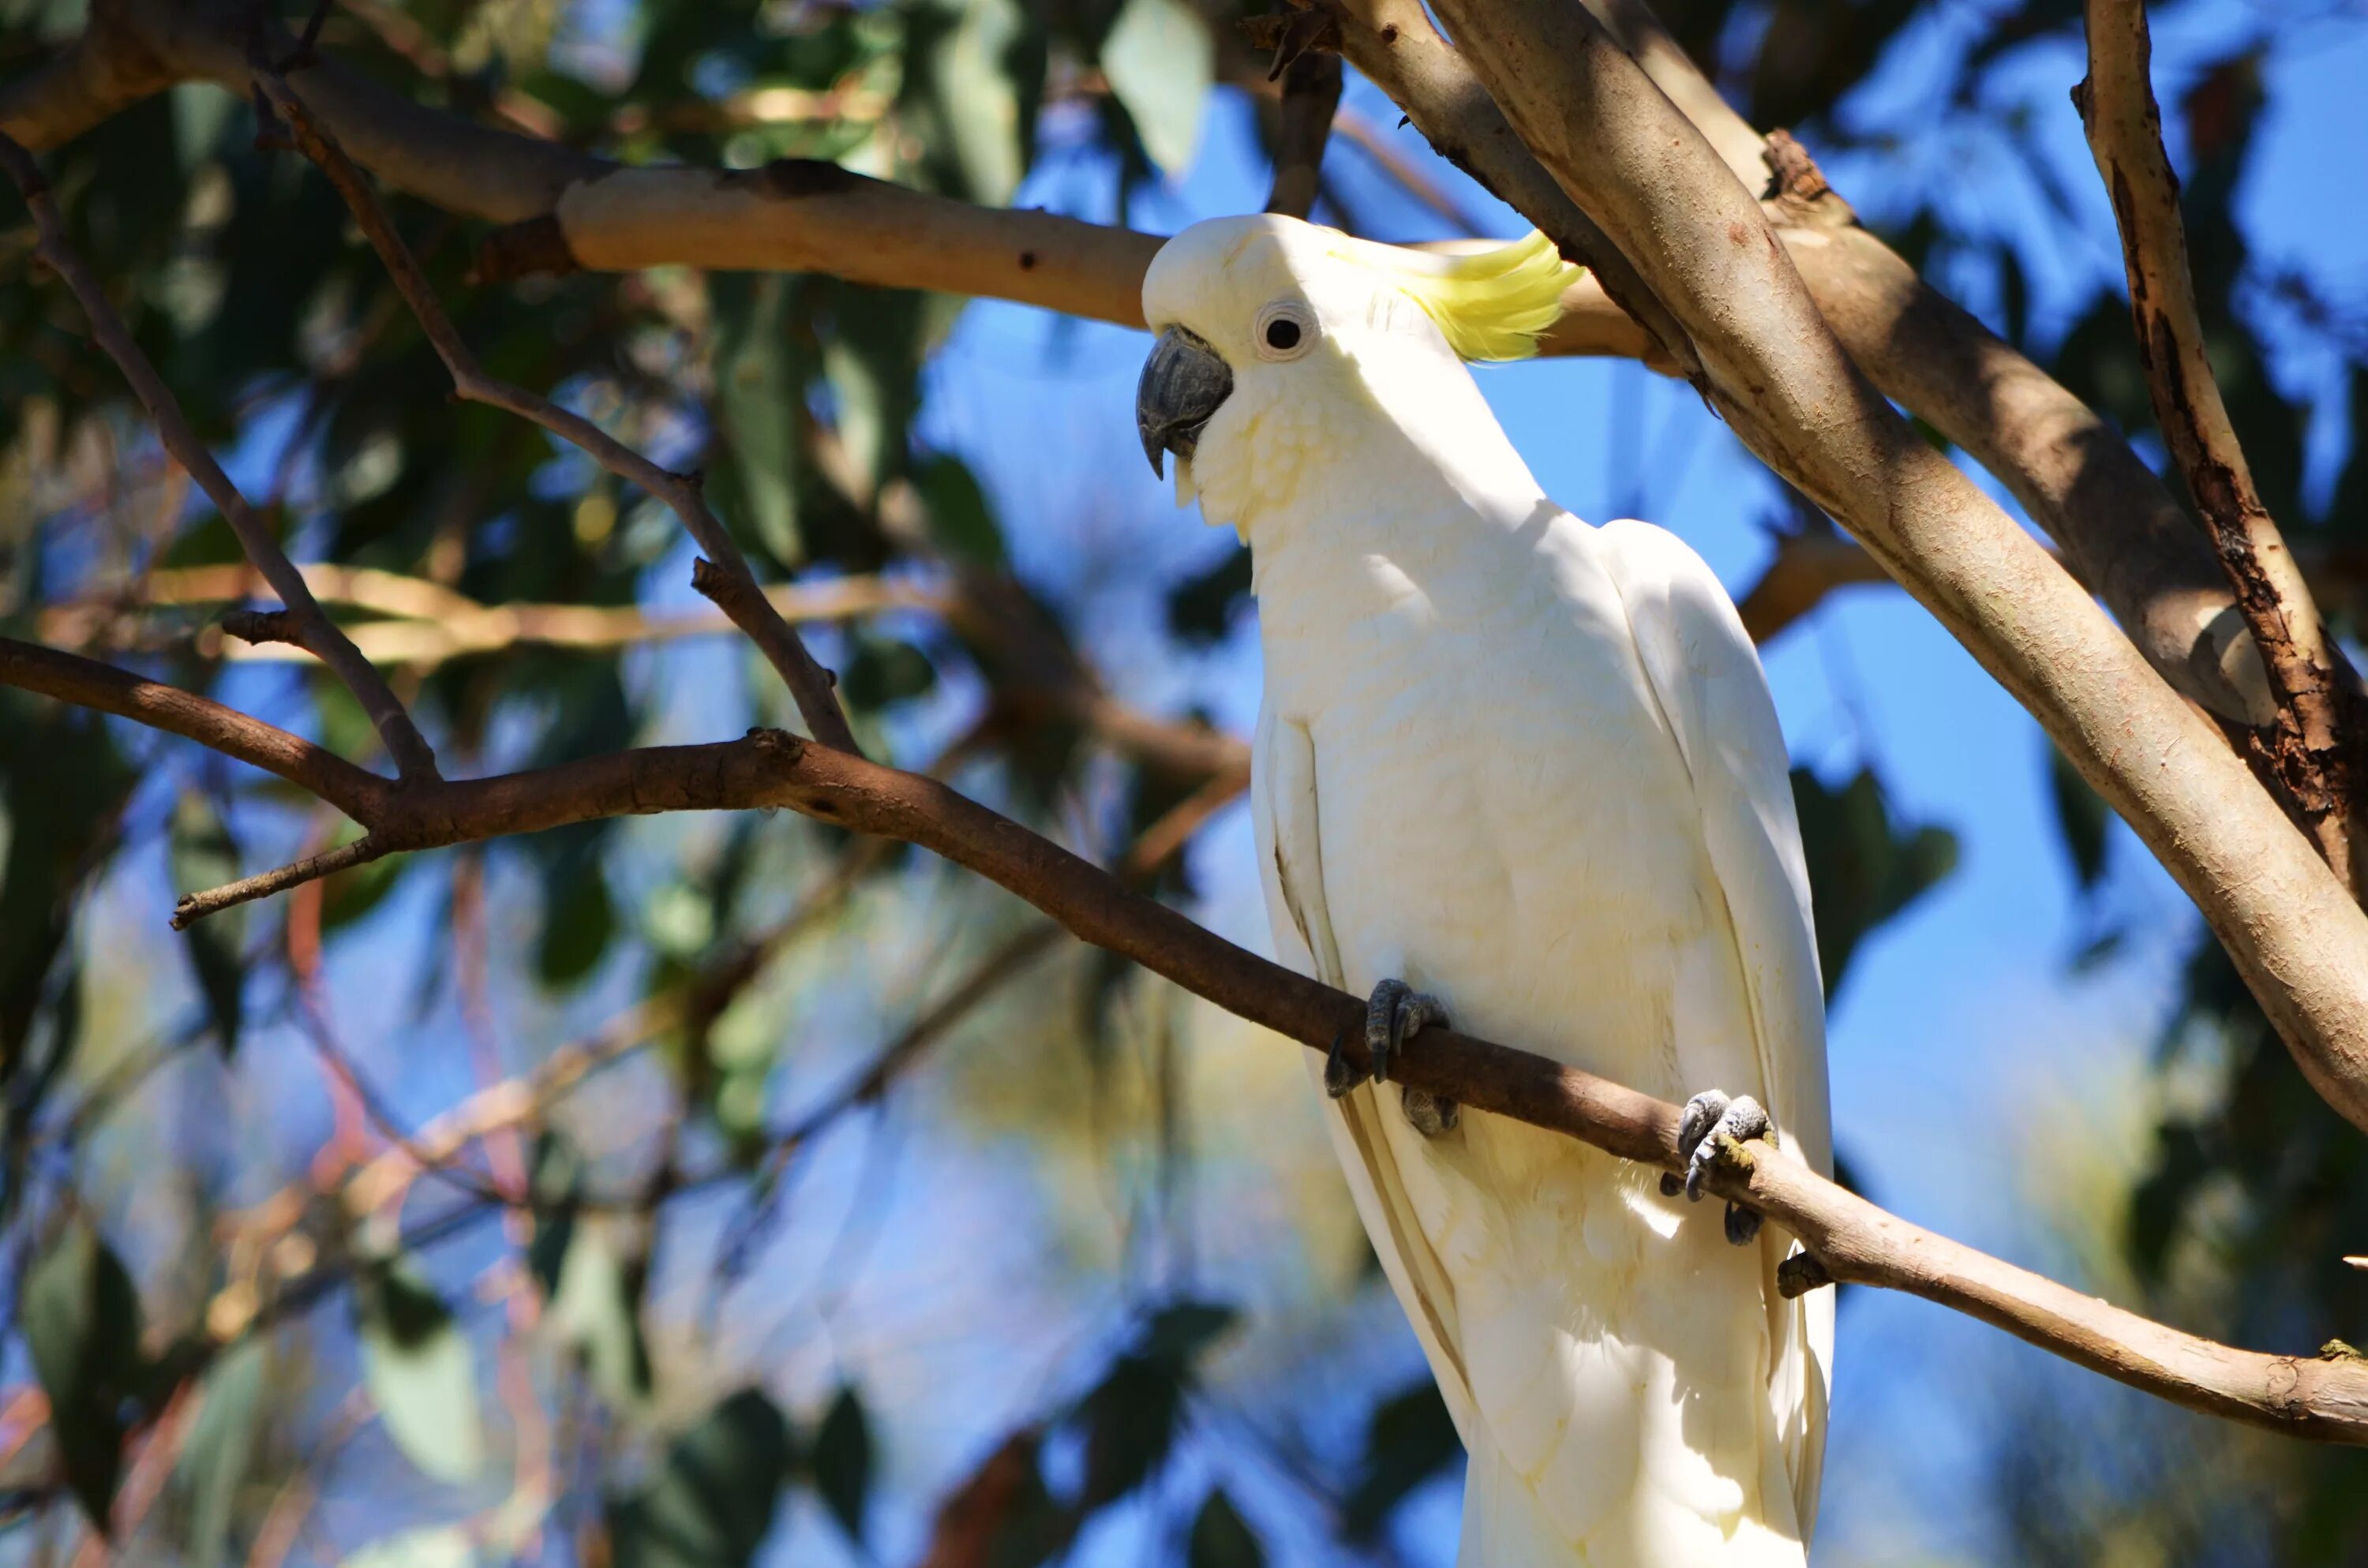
[{"x": 1524, "y": 773}]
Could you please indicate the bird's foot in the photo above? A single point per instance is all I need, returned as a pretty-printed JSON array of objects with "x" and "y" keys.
[
  {"x": 1709, "y": 1121},
  {"x": 1394, "y": 1014}
]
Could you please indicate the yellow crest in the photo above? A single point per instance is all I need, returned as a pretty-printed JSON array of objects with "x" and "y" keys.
[{"x": 1491, "y": 304}]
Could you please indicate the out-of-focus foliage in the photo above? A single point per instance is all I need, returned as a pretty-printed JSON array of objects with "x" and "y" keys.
[{"x": 620, "y": 1329}]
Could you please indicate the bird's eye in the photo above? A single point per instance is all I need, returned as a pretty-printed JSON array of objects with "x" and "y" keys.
[{"x": 1286, "y": 330}]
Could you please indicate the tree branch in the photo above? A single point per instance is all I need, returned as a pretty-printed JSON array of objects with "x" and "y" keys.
[
  {"x": 316, "y": 631},
  {"x": 724, "y": 577},
  {"x": 2069, "y": 469},
  {"x": 356, "y": 791},
  {"x": 96, "y": 77},
  {"x": 1850, "y": 1239},
  {"x": 2310, "y": 750},
  {"x": 1777, "y": 373}
]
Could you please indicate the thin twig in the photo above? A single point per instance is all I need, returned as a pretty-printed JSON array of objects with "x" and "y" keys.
[
  {"x": 724, "y": 575},
  {"x": 2312, "y": 751},
  {"x": 317, "y": 633}
]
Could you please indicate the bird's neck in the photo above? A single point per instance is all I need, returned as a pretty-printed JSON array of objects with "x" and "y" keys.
[{"x": 1376, "y": 516}]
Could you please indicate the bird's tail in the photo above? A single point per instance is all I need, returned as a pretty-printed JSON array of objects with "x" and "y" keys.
[{"x": 1504, "y": 1527}]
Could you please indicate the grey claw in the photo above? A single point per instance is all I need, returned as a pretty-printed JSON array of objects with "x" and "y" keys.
[
  {"x": 1340, "y": 1077},
  {"x": 1672, "y": 1184},
  {"x": 1395, "y": 1014},
  {"x": 1742, "y": 1224},
  {"x": 1709, "y": 1118},
  {"x": 1430, "y": 1114}
]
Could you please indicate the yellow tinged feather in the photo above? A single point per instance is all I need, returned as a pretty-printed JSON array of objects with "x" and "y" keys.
[{"x": 1491, "y": 304}]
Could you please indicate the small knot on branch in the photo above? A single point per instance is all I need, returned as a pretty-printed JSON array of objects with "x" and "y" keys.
[
  {"x": 264, "y": 625},
  {"x": 1795, "y": 181},
  {"x": 537, "y": 247},
  {"x": 1800, "y": 1274}
]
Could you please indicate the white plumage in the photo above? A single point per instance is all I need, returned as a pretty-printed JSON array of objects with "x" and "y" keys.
[{"x": 1530, "y": 767}]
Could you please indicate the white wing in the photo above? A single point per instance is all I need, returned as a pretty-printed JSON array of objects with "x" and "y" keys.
[
  {"x": 1283, "y": 815},
  {"x": 1706, "y": 673}
]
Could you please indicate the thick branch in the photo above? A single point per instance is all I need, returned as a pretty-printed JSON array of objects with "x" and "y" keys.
[
  {"x": 97, "y": 77},
  {"x": 2070, "y": 470},
  {"x": 2309, "y": 750},
  {"x": 356, "y": 791},
  {"x": 316, "y": 631},
  {"x": 1849, "y": 1238},
  {"x": 1780, "y": 377},
  {"x": 724, "y": 577}
]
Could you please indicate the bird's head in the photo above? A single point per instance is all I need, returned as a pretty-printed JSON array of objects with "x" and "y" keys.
[{"x": 1274, "y": 336}]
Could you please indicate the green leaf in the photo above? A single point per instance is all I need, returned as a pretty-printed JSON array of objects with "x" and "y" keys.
[
  {"x": 759, "y": 394},
  {"x": 214, "y": 1458},
  {"x": 81, "y": 1321},
  {"x": 204, "y": 857},
  {"x": 558, "y": 1187},
  {"x": 439, "y": 1546},
  {"x": 1410, "y": 1438},
  {"x": 420, "y": 1370},
  {"x": 713, "y": 1503},
  {"x": 1863, "y": 869},
  {"x": 578, "y": 918},
  {"x": 2081, "y": 816},
  {"x": 1130, "y": 1417},
  {"x": 1160, "y": 60},
  {"x": 841, "y": 1461},
  {"x": 984, "y": 73},
  {"x": 596, "y": 1312},
  {"x": 960, "y": 521},
  {"x": 1223, "y": 1538},
  {"x": 1201, "y": 609}
]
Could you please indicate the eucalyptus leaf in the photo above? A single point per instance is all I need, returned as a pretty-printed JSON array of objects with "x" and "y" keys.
[
  {"x": 220, "y": 1445},
  {"x": 203, "y": 855},
  {"x": 1160, "y": 60},
  {"x": 80, "y": 1315},
  {"x": 1222, "y": 1537},
  {"x": 440, "y": 1546},
  {"x": 711, "y": 1503},
  {"x": 841, "y": 1461},
  {"x": 422, "y": 1372}
]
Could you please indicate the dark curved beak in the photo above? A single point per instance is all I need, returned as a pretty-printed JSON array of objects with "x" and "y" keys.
[{"x": 1183, "y": 383}]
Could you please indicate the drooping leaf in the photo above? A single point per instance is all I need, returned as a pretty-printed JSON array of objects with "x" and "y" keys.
[
  {"x": 1160, "y": 61},
  {"x": 1410, "y": 1438},
  {"x": 2081, "y": 816},
  {"x": 81, "y": 1321},
  {"x": 214, "y": 1456},
  {"x": 1222, "y": 1537},
  {"x": 439, "y": 1546},
  {"x": 840, "y": 1461},
  {"x": 1130, "y": 1417},
  {"x": 1200, "y": 609},
  {"x": 1863, "y": 867},
  {"x": 420, "y": 1370},
  {"x": 596, "y": 1312},
  {"x": 711, "y": 1503},
  {"x": 204, "y": 857},
  {"x": 759, "y": 394},
  {"x": 981, "y": 65},
  {"x": 960, "y": 521}
]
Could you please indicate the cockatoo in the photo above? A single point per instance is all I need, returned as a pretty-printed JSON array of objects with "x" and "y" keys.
[{"x": 1526, "y": 773}]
